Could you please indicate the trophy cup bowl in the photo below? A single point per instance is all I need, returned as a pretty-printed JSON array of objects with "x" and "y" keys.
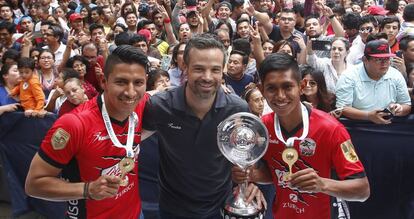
[{"x": 243, "y": 139}]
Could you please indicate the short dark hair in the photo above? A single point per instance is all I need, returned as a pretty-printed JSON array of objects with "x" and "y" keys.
[
  {"x": 141, "y": 24},
  {"x": 245, "y": 59},
  {"x": 175, "y": 53},
  {"x": 391, "y": 6},
  {"x": 71, "y": 61},
  {"x": 4, "y": 71},
  {"x": 137, "y": 38},
  {"x": 351, "y": 21},
  {"x": 203, "y": 41},
  {"x": 125, "y": 54},
  {"x": 95, "y": 26},
  {"x": 408, "y": 14},
  {"x": 242, "y": 45},
  {"x": 287, "y": 10},
  {"x": 388, "y": 20},
  {"x": 277, "y": 62},
  {"x": 11, "y": 54},
  {"x": 311, "y": 16},
  {"x": 369, "y": 19},
  {"x": 122, "y": 39},
  {"x": 153, "y": 76},
  {"x": 70, "y": 73},
  {"x": 10, "y": 27},
  {"x": 57, "y": 31},
  {"x": 26, "y": 62},
  {"x": 405, "y": 41}
]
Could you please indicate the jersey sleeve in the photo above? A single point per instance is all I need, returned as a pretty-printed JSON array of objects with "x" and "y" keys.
[
  {"x": 63, "y": 141},
  {"x": 344, "y": 157}
]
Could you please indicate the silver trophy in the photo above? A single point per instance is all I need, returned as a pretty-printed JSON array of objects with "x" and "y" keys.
[{"x": 243, "y": 140}]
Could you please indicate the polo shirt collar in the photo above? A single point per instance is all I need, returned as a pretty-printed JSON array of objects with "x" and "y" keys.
[
  {"x": 179, "y": 100},
  {"x": 365, "y": 77}
]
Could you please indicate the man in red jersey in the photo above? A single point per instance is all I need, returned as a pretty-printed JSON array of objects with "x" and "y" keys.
[
  {"x": 96, "y": 146},
  {"x": 322, "y": 144}
]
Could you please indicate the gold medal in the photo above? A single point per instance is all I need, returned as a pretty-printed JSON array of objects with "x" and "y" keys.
[
  {"x": 126, "y": 165},
  {"x": 289, "y": 156}
]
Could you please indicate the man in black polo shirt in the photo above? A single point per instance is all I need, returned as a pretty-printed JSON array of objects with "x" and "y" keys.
[{"x": 195, "y": 178}]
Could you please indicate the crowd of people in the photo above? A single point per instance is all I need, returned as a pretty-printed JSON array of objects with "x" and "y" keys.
[{"x": 163, "y": 74}]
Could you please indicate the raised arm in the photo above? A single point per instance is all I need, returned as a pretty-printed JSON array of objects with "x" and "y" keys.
[
  {"x": 262, "y": 17},
  {"x": 336, "y": 25}
]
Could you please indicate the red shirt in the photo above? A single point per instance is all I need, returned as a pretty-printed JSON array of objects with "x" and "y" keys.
[
  {"x": 90, "y": 75},
  {"x": 79, "y": 141},
  {"x": 327, "y": 147}
]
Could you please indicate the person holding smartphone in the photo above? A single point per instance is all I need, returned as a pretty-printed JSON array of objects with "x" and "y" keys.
[{"x": 372, "y": 86}]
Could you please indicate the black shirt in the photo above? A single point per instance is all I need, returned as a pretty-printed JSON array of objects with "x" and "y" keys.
[{"x": 195, "y": 178}]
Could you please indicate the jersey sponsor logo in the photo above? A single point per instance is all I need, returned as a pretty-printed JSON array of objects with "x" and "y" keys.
[
  {"x": 307, "y": 147},
  {"x": 293, "y": 206},
  {"x": 171, "y": 125},
  {"x": 349, "y": 151},
  {"x": 293, "y": 197},
  {"x": 60, "y": 138}
]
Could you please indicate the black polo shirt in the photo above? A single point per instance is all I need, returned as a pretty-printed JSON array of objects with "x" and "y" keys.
[{"x": 195, "y": 178}]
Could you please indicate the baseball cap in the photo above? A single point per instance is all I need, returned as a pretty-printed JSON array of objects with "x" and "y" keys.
[
  {"x": 146, "y": 33},
  {"x": 377, "y": 10},
  {"x": 225, "y": 4},
  {"x": 378, "y": 49},
  {"x": 74, "y": 16}
]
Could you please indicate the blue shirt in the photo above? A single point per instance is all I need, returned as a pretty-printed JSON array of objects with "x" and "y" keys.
[
  {"x": 356, "y": 89},
  {"x": 4, "y": 97}
]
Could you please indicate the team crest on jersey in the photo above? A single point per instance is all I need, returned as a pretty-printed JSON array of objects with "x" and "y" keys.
[
  {"x": 349, "y": 151},
  {"x": 60, "y": 138},
  {"x": 307, "y": 147}
]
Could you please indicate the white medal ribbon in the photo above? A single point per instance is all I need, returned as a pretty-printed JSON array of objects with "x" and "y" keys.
[
  {"x": 290, "y": 141},
  {"x": 131, "y": 129}
]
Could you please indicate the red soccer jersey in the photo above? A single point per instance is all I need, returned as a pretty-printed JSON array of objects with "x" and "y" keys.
[
  {"x": 327, "y": 147},
  {"x": 79, "y": 141}
]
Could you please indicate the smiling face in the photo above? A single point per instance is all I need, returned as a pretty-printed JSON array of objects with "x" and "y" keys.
[
  {"x": 310, "y": 87},
  {"x": 243, "y": 30},
  {"x": 204, "y": 72},
  {"x": 282, "y": 93},
  {"x": 123, "y": 89}
]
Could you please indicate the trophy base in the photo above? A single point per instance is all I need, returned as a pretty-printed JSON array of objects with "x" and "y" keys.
[{"x": 236, "y": 208}]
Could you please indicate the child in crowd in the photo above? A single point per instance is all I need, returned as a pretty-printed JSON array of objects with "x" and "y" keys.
[
  {"x": 29, "y": 90},
  {"x": 75, "y": 95}
]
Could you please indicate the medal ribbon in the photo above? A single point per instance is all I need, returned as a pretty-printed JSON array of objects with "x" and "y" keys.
[
  {"x": 290, "y": 141},
  {"x": 111, "y": 133}
]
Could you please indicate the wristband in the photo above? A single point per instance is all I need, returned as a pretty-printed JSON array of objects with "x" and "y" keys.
[
  {"x": 331, "y": 16},
  {"x": 85, "y": 190},
  {"x": 167, "y": 20}
]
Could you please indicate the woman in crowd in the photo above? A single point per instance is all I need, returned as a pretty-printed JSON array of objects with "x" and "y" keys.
[
  {"x": 8, "y": 80},
  {"x": 255, "y": 99},
  {"x": 331, "y": 67},
  {"x": 268, "y": 46},
  {"x": 177, "y": 65},
  {"x": 314, "y": 89},
  {"x": 47, "y": 70},
  {"x": 80, "y": 64}
]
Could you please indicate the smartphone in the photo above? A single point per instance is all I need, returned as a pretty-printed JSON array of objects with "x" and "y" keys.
[
  {"x": 37, "y": 34},
  {"x": 390, "y": 116},
  {"x": 399, "y": 53},
  {"x": 324, "y": 45}
]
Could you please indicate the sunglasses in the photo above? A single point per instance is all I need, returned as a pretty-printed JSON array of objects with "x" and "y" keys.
[
  {"x": 366, "y": 29},
  {"x": 310, "y": 83}
]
